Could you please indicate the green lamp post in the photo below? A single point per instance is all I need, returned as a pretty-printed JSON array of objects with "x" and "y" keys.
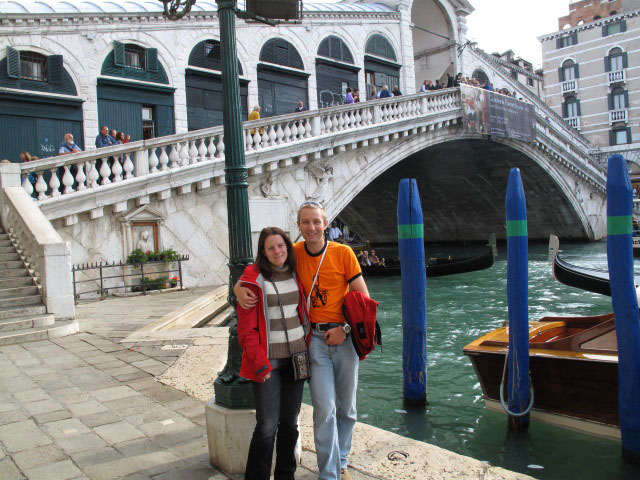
[{"x": 231, "y": 390}]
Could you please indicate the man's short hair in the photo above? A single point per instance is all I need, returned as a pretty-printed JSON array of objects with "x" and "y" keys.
[{"x": 312, "y": 204}]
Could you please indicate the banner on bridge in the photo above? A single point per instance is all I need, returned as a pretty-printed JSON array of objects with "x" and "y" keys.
[{"x": 496, "y": 114}]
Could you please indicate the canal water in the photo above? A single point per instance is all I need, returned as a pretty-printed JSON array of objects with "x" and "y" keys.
[{"x": 461, "y": 308}]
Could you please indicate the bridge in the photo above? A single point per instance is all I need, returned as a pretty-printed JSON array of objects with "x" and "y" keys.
[{"x": 348, "y": 157}]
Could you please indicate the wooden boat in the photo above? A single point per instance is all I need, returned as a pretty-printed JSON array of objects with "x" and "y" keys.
[
  {"x": 438, "y": 267},
  {"x": 590, "y": 279},
  {"x": 574, "y": 371}
]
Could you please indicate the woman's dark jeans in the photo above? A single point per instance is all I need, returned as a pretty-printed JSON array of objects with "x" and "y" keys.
[{"x": 277, "y": 406}]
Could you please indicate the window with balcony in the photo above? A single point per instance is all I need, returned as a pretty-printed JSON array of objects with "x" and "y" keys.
[
  {"x": 615, "y": 59},
  {"x": 618, "y": 99},
  {"x": 571, "y": 107},
  {"x": 569, "y": 74},
  {"x": 613, "y": 28}
]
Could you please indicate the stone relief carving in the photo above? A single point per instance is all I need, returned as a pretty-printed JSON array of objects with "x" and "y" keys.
[
  {"x": 321, "y": 174},
  {"x": 266, "y": 186},
  {"x": 141, "y": 229},
  {"x": 578, "y": 192}
]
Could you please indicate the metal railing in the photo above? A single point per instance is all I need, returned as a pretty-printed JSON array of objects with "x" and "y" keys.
[{"x": 148, "y": 276}]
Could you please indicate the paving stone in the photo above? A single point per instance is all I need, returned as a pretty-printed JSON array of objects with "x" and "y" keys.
[
  {"x": 185, "y": 402},
  {"x": 143, "y": 383},
  {"x": 155, "y": 369},
  {"x": 43, "y": 406},
  {"x": 130, "y": 356},
  {"x": 89, "y": 407},
  {"x": 32, "y": 395},
  {"x": 7, "y": 371},
  {"x": 140, "y": 446},
  {"x": 129, "y": 465},
  {"x": 8, "y": 406},
  {"x": 199, "y": 471},
  {"x": 75, "y": 398},
  {"x": 146, "y": 363},
  {"x": 191, "y": 449},
  {"x": 80, "y": 443},
  {"x": 22, "y": 362},
  {"x": 9, "y": 470},
  {"x": 65, "y": 428},
  {"x": 36, "y": 457},
  {"x": 13, "y": 416},
  {"x": 193, "y": 410},
  {"x": 98, "y": 359},
  {"x": 179, "y": 436},
  {"x": 98, "y": 419},
  {"x": 38, "y": 372},
  {"x": 96, "y": 381},
  {"x": 20, "y": 436},
  {"x": 53, "y": 384},
  {"x": 119, "y": 371},
  {"x": 17, "y": 384},
  {"x": 163, "y": 394},
  {"x": 126, "y": 377},
  {"x": 43, "y": 418},
  {"x": 64, "y": 470},
  {"x": 200, "y": 420},
  {"x": 65, "y": 392},
  {"x": 132, "y": 405},
  {"x": 96, "y": 456},
  {"x": 119, "y": 432},
  {"x": 114, "y": 393}
]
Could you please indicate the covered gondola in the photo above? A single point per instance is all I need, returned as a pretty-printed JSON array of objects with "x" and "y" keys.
[{"x": 439, "y": 267}]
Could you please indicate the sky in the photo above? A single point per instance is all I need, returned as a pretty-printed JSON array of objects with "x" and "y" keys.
[{"x": 499, "y": 25}]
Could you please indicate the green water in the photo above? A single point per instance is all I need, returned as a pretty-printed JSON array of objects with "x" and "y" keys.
[{"x": 460, "y": 308}]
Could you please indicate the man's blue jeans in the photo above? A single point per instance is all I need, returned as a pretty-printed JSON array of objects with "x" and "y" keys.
[{"x": 334, "y": 379}]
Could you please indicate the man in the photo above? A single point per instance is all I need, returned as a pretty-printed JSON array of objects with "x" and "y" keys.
[
  {"x": 396, "y": 91},
  {"x": 104, "y": 139},
  {"x": 68, "y": 146},
  {"x": 334, "y": 232},
  {"x": 300, "y": 107},
  {"x": 327, "y": 270}
]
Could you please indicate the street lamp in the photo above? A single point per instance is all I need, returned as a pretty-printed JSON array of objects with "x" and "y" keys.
[{"x": 231, "y": 390}]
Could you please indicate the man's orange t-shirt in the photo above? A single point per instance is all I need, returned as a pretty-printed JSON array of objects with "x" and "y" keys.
[{"x": 338, "y": 268}]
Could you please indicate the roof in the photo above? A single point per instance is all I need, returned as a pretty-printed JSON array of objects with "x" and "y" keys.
[{"x": 148, "y": 6}]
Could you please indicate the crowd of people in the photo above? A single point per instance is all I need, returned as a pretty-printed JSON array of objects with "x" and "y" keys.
[
  {"x": 107, "y": 138},
  {"x": 370, "y": 259}
]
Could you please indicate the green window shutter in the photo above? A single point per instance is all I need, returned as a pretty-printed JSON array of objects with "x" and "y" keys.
[
  {"x": 578, "y": 105},
  {"x": 605, "y": 30},
  {"x": 626, "y": 99},
  {"x": 561, "y": 74},
  {"x": 564, "y": 109},
  {"x": 623, "y": 25},
  {"x": 574, "y": 37},
  {"x": 610, "y": 99},
  {"x": 118, "y": 53},
  {"x": 55, "y": 68},
  {"x": 152, "y": 59},
  {"x": 607, "y": 64},
  {"x": 576, "y": 70},
  {"x": 612, "y": 137},
  {"x": 558, "y": 43},
  {"x": 628, "y": 134},
  {"x": 625, "y": 60},
  {"x": 13, "y": 63}
]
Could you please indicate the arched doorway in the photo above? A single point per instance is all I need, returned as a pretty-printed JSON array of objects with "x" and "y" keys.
[
  {"x": 480, "y": 76},
  {"x": 335, "y": 71},
  {"x": 380, "y": 64},
  {"x": 203, "y": 80},
  {"x": 282, "y": 81},
  {"x": 33, "y": 123}
]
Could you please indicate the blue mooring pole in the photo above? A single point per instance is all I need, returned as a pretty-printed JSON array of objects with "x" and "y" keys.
[
  {"x": 414, "y": 289},
  {"x": 518, "y": 302},
  {"x": 625, "y": 303}
]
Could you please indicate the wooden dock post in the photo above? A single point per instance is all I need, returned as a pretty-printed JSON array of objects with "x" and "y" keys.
[
  {"x": 625, "y": 303},
  {"x": 414, "y": 287},
  {"x": 518, "y": 302}
]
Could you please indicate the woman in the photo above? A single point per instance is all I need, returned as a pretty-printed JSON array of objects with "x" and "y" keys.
[
  {"x": 120, "y": 137},
  {"x": 269, "y": 334}
]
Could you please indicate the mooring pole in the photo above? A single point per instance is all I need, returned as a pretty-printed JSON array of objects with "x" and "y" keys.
[
  {"x": 625, "y": 303},
  {"x": 414, "y": 288},
  {"x": 517, "y": 299}
]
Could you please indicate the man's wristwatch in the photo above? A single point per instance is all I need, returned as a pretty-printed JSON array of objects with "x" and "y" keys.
[{"x": 346, "y": 328}]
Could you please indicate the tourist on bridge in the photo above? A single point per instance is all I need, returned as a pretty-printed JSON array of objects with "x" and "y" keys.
[
  {"x": 356, "y": 96},
  {"x": 255, "y": 115},
  {"x": 374, "y": 94},
  {"x": 425, "y": 86},
  {"x": 327, "y": 270},
  {"x": 104, "y": 139},
  {"x": 396, "y": 91},
  {"x": 272, "y": 333},
  {"x": 348, "y": 97},
  {"x": 68, "y": 146},
  {"x": 300, "y": 107},
  {"x": 385, "y": 93}
]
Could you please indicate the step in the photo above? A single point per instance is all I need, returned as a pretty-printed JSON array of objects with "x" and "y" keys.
[
  {"x": 14, "y": 272},
  {"x": 25, "y": 323},
  {"x": 24, "y": 280},
  {"x": 4, "y": 236},
  {"x": 7, "y": 249},
  {"x": 7, "y": 264},
  {"x": 9, "y": 256},
  {"x": 22, "y": 301},
  {"x": 6, "y": 243},
  {"x": 18, "y": 312},
  {"x": 18, "y": 291},
  {"x": 60, "y": 328}
]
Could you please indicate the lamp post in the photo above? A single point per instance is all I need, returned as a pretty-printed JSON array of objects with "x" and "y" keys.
[{"x": 231, "y": 390}]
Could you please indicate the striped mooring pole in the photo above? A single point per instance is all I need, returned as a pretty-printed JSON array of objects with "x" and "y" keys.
[
  {"x": 625, "y": 303},
  {"x": 518, "y": 302},
  {"x": 414, "y": 289}
]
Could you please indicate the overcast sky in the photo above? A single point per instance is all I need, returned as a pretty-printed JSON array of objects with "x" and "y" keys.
[{"x": 499, "y": 25}]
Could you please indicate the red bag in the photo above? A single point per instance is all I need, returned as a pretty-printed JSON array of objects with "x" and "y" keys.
[{"x": 360, "y": 312}]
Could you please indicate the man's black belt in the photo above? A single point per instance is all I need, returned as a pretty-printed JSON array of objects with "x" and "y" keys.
[{"x": 324, "y": 327}]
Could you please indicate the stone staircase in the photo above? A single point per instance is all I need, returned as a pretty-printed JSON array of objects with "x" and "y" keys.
[{"x": 23, "y": 315}]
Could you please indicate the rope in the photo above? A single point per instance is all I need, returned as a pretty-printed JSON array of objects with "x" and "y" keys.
[{"x": 502, "y": 402}]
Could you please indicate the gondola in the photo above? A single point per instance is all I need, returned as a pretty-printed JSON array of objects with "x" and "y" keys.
[
  {"x": 573, "y": 363},
  {"x": 439, "y": 267},
  {"x": 590, "y": 279}
]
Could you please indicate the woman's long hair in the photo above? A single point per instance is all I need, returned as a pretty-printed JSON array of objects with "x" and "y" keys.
[{"x": 261, "y": 259}]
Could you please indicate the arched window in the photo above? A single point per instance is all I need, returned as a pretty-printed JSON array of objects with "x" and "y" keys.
[
  {"x": 615, "y": 60},
  {"x": 568, "y": 70},
  {"x": 281, "y": 52},
  {"x": 33, "y": 66},
  {"x": 379, "y": 46},
  {"x": 618, "y": 99},
  {"x": 571, "y": 107},
  {"x": 480, "y": 76},
  {"x": 333, "y": 47},
  {"x": 206, "y": 54}
]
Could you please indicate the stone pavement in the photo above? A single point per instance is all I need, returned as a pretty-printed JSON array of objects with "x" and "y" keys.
[{"x": 86, "y": 406}]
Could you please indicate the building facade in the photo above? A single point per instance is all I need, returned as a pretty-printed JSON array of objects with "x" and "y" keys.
[
  {"x": 592, "y": 75},
  {"x": 74, "y": 66}
]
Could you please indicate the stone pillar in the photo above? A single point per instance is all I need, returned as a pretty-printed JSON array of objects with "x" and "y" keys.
[
  {"x": 9, "y": 177},
  {"x": 408, "y": 76}
]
